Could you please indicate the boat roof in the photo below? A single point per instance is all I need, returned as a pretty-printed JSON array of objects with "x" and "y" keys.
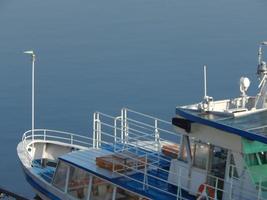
[
  {"x": 252, "y": 126},
  {"x": 132, "y": 181},
  {"x": 83, "y": 159}
]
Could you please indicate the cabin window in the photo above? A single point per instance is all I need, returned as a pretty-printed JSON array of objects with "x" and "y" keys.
[
  {"x": 251, "y": 159},
  {"x": 201, "y": 155},
  {"x": 101, "y": 190},
  {"x": 60, "y": 176},
  {"x": 259, "y": 158},
  {"x": 184, "y": 156},
  {"x": 263, "y": 157},
  {"x": 78, "y": 183}
]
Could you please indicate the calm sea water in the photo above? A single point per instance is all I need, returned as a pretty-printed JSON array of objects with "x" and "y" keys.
[{"x": 106, "y": 54}]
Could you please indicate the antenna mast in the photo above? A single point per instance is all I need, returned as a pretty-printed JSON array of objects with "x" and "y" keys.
[
  {"x": 206, "y": 103},
  {"x": 205, "y": 81}
]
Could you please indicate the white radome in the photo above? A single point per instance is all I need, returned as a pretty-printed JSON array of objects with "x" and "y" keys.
[{"x": 244, "y": 83}]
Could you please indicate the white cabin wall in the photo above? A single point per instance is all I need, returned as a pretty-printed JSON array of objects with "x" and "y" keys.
[
  {"x": 38, "y": 150},
  {"x": 198, "y": 177},
  {"x": 239, "y": 162},
  {"x": 53, "y": 151},
  {"x": 49, "y": 151},
  {"x": 216, "y": 137},
  {"x": 179, "y": 167},
  {"x": 189, "y": 181},
  {"x": 213, "y": 136}
]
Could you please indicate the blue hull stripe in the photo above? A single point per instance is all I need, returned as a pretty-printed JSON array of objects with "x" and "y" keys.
[{"x": 39, "y": 188}]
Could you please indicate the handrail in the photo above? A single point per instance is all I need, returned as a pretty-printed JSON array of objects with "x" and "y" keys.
[
  {"x": 45, "y": 135},
  {"x": 140, "y": 131},
  {"x": 143, "y": 139}
]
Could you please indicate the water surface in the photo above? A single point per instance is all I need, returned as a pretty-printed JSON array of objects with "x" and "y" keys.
[{"x": 106, "y": 54}]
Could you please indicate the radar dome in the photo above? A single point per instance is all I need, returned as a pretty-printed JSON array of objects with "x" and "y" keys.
[{"x": 244, "y": 84}]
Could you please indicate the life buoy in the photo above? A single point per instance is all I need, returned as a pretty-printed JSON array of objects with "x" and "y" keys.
[{"x": 205, "y": 192}]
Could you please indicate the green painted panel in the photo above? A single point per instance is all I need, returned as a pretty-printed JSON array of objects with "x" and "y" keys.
[{"x": 253, "y": 146}]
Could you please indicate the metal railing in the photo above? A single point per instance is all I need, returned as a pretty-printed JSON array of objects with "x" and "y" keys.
[
  {"x": 140, "y": 138},
  {"x": 46, "y": 135},
  {"x": 145, "y": 136}
]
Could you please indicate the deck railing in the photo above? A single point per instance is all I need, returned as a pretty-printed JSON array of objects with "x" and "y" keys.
[
  {"x": 30, "y": 137},
  {"x": 143, "y": 136},
  {"x": 132, "y": 131}
]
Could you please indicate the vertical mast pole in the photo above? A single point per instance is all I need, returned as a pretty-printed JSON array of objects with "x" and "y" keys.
[
  {"x": 33, "y": 94},
  {"x": 205, "y": 81},
  {"x": 33, "y": 80}
]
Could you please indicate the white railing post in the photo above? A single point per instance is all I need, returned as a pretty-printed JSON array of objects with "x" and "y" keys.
[
  {"x": 122, "y": 125},
  {"x": 67, "y": 179},
  {"x": 99, "y": 133},
  {"x": 216, "y": 188},
  {"x": 157, "y": 137},
  {"x": 145, "y": 181},
  {"x": 71, "y": 139},
  {"x": 115, "y": 131},
  {"x": 126, "y": 130},
  {"x": 89, "y": 187},
  {"x": 179, "y": 192},
  {"x": 96, "y": 131},
  {"x": 45, "y": 135},
  {"x": 114, "y": 193},
  {"x": 33, "y": 135},
  {"x": 259, "y": 192},
  {"x": 231, "y": 183}
]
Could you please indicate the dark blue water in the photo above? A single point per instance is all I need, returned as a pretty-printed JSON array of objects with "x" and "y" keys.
[{"x": 106, "y": 54}]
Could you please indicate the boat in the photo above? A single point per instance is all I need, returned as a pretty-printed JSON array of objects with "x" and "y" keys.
[{"x": 213, "y": 149}]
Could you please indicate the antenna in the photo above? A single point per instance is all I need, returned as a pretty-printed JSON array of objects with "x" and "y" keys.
[
  {"x": 31, "y": 53},
  {"x": 206, "y": 103},
  {"x": 261, "y": 64},
  {"x": 205, "y": 81}
]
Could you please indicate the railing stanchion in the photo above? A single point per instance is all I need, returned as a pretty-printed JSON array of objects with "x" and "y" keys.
[
  {"x": 96, "y": 130},
  {"x": 90, "y": 187},
  {"x": 216, "y": 188},
  {"x": 99, "y": 133},
  {"x": 126, "y": 125},
  {"x": 157, "y": 136},
  {"x": 145, "y": 181},
  {"x": 231, "y": 183},
  {"x": 114, "y": 193},
  {"x": 259, "y": 191},
  {"x": 179, "y": 192},
  {"x": 115, "y": 131},
  {"x": 71, "y": 139},
  {"x": 122, "y": 126},
  {"x": 45, "y": 135}
]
